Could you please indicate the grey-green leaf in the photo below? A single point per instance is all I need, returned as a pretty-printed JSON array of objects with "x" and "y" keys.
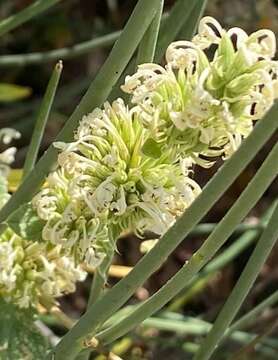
[{"x": 26, "y": 223}]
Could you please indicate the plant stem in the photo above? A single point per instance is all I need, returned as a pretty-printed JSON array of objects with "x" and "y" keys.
[
  {"x": 26, "y": 14},
  {"x": 147, "y": 46},
  {"x": 94, "y": 97},
  {"x": 42, "y": 118},
  {"x": 100, "y": 278},
  {"x": 120, "y": 293},
  {"x": 202, "y": 278},
  {"x": 255, "y": 189},
  {"x": 54, "y": 55},
  {"x": 242, "y": 287}
]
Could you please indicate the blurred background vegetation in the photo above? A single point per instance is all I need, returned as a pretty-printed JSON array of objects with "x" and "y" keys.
[{"x": 75, "y": 21}]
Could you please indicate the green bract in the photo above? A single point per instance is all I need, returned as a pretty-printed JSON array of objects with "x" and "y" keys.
[
  {"x": 203, "y": 103},
  {"x": 105, "y": 184}
]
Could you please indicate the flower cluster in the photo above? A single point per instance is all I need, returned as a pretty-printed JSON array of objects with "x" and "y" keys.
[
  {"x": 204, "y": 101},
  {"x": 105, "y": 185},
  {"x": 30, "y": 271},
  {"x": 129, "y": 168}
]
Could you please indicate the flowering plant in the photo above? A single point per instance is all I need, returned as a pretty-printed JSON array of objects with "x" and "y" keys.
[{"x": 130, "y": 167}]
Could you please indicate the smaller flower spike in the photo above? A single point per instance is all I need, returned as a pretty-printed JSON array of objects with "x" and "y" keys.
[
  {"x": 31, "y": 271},
  {"x": 203, "y": 106},
  {"x": 105, "y": 185}
]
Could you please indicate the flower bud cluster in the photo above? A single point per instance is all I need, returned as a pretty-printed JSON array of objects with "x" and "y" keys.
[{"x": 206, "y": 98}]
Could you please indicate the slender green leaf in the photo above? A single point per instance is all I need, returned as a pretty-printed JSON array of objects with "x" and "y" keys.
[
  {"x": 252, "y": 316},
  {"x": 57, "y": 54},
  {"x": 147, "y": 46},
  {"x": 26, "y": 14},
  {"x": 42, "y": 118}
]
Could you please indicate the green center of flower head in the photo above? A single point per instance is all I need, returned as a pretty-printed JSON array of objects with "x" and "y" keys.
[
  {"x": 204, "y": 101},
  {"x": 106, "y": 185}
]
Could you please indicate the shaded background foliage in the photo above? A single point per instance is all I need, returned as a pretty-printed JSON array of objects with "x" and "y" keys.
[{"x": 72, "y": 22}]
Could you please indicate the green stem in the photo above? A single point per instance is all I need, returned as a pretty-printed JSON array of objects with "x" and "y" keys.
[
  {"x": 26, "y": 14},
  {"x": 120, "y": 293},
  {"x": 242, "y": 287},
  {"x": 100, "y": 278},
  {"x": 94, "y": 97},
  {"x": 42, "y": 118},
  {"x": 54, "y": 55},
  {"x": 202, "y": 278},
  {"x": 148, "y": 43},
  {"x": 255, "y": 189}
]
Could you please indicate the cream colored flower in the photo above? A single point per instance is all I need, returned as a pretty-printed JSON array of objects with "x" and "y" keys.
[
  {"x": 203, "y": 106},
  {"x": 105, "y": 185}
]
